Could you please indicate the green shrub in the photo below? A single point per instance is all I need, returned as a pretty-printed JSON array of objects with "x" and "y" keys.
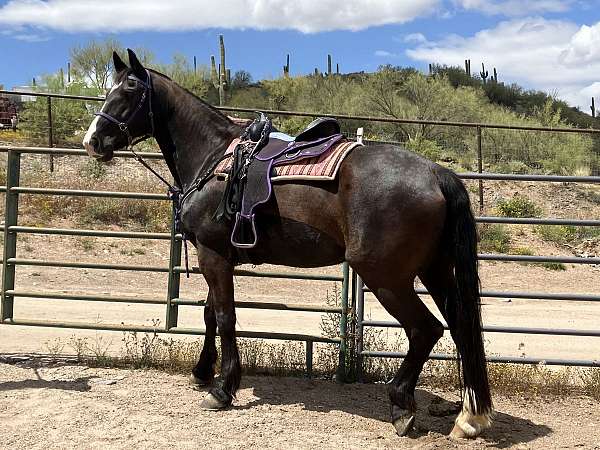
[
  {"x": 553, "y": 266},
  {"x": 518, "y": 206},
  {"x": 93, "y": 169},
  {"x": 429, "y": 149},
  {"x": 494, "y": 238},
  {"x": 523, "y": 251},
  {"x": 153, "y": 216},
  {"x": 567, "y": 234}
]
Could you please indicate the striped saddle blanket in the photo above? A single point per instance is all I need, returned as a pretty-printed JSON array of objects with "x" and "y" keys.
[{"x": 323, "y": 167}]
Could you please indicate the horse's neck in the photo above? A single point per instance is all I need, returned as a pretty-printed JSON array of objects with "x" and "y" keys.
[{"x": 192, "y": 131}]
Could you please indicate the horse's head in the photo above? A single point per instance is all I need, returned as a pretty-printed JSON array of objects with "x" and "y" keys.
[{"x": 126, "y": 115}]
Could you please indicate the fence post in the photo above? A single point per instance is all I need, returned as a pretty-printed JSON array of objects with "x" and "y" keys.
[
  {"x": 341, "y": 373},
  {"x": 10, "y": 237},
  {"x": 360, "y": 315},
  {"x": 480, "y": 167},
  {"x": 309, "y": 358},
  {"x": 174, "y": 277},
  {"x": 50, "y": 133}
]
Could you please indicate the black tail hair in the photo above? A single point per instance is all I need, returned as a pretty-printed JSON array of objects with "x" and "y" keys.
[{"x": 463, "y": 309}]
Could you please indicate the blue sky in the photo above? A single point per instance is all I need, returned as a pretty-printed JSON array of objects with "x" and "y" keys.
[{"x": 552, "y": 45}]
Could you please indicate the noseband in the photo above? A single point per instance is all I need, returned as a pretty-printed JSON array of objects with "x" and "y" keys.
[{"x": 124, "y": 126}]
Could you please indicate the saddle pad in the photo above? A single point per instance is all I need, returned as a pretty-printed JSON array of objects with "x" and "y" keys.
[{"x": 323, "y": 167}]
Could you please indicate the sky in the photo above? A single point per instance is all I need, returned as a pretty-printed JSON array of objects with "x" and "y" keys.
[{"x": 550, "y": 45}]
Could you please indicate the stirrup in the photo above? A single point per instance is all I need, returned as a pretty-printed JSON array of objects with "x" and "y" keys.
[{"x": 240, "y": 220}]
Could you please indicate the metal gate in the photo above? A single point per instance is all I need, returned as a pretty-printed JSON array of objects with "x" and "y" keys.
[
  {"x": 352, "y": 303},
  {"x": 172, "y": 300}
]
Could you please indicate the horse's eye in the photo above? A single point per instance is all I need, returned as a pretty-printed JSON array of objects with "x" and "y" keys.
[{"x": 131, "y": 83}]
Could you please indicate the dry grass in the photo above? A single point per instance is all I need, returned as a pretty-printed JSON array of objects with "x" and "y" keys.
[{"x": 260, "y": 357}]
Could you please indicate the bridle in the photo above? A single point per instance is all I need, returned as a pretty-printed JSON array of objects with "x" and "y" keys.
[{"x": 124, "y": 126}]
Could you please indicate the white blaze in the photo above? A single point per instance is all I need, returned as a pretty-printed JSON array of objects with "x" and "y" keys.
[{"x": 92, "y": 129}]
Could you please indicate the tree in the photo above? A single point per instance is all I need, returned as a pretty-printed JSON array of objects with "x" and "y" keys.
[
  {"x": 70, "y": 118},
  {"x": 182, "y": 72},
  {"x": 241, "y": 80},
  {"x": 92, "y": 62}
]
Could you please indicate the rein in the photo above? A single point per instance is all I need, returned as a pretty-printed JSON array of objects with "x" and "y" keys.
[{"x": 174, "y": 193}]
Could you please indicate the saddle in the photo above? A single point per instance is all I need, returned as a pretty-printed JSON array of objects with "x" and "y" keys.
[{"x": 262, "y": 148}]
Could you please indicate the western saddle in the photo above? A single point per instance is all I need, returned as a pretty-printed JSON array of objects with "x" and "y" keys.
[{"x": 260, "y": 149}]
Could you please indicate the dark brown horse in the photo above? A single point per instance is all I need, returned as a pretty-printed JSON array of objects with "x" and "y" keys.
[{"x": 391, "y": 214}]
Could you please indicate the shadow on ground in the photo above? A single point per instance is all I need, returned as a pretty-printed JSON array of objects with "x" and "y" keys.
[
  {"x": 370, "y": 401},
  {"x": 78, "y": 384}
]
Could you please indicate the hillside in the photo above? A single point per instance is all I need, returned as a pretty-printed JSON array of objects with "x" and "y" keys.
[{"x": 448, "y": 94}]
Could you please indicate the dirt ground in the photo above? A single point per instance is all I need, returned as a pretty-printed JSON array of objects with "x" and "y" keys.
[{"x": 46, "y": 405}]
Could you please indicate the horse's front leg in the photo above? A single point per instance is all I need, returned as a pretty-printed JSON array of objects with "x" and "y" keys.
[
  {"x": 218, "y": 272},
  {"x": 204, "y": 371}
]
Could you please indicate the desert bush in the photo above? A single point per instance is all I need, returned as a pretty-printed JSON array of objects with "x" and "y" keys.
[
  {"x": 567, "y": 234},
  {"x": 494, "y": 238},
  {"x": 518, "y": 206}
]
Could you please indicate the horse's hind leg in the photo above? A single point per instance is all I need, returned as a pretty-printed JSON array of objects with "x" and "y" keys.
[
  {"x": 440, "y": 281},
  {"x": 204, "y": 371},
  {"x": 423, "y": 331}
]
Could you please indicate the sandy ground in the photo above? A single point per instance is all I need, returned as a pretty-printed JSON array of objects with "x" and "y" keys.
[{"x": 63, "y": 406}]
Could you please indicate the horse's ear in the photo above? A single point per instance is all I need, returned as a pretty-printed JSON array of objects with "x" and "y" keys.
[
  {"x": 136, "y": 65},
  {"x": 118, "y": 63}
]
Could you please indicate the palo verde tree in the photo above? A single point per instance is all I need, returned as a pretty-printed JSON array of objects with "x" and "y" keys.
[{"x": 91, "y": 63}]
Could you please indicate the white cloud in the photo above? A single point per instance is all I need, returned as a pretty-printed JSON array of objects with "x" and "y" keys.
[
  {"x": 550, "y": 55},
  {"x": 307, "y": 16},
  {"x": 385, "y": 54},
  {"x": 515, "y": 7},
  {"x": 415, "y": 37}
]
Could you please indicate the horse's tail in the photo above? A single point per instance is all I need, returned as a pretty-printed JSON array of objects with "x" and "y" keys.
[{"x": 463, "y": 311}]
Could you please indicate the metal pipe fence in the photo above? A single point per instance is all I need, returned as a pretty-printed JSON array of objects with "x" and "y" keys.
[
  {"x": 350, "y": 281},
  {"x": 172, "y": 301}
]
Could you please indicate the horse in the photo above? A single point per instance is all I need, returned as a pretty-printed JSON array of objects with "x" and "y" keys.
[{"x": 391, "y": 214}]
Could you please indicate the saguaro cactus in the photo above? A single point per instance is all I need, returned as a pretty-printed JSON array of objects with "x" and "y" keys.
[
  {"x": 214, "y": 78},
  {"x": 468, "y": 66},
  {"x": 286, "y": 68},
  {"x": 593, "y": 108},
  {"x": 223, "y": 72},
  {"x": 495, "y": 76},
  {"x": 329, "y": 65},
  {"x": 484, "y": 73},
  {"x": 220, "y": 79}
]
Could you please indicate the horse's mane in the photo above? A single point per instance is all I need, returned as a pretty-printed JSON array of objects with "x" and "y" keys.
[{"x": 202, "y": 102}]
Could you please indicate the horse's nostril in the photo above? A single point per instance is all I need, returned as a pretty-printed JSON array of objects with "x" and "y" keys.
[{"x": 95, "y": 143}]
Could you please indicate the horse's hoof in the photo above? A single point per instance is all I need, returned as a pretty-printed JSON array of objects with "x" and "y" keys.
[
  {"x": 216, "y": 400},
  {"x": 404, "y": 424},
  {"x": 195, "y": 381},
  {"x": 458, "y": 433}
]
